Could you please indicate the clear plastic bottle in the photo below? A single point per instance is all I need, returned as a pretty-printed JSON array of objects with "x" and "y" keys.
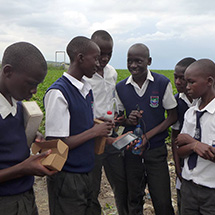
[
  {"x": 110, "y": 115},
  {"x": 139, "y": 133}
]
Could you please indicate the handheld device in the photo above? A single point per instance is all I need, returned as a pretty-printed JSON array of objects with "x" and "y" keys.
[{"x": 124, "y": 140}]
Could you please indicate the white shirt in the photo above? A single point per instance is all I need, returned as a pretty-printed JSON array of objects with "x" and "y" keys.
[
  {"x": 103, "y": 90},
  {"x": 6, "y": 108},
  {"x": 168, "y": 101},
  {"x": 204, "y": 172},
  {"x": 57, "y": 122},
  {"x": 182, "y": 96}
]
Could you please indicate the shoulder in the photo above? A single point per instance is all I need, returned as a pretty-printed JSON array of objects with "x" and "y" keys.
[
  {"x": 110, "y": 70},
  {"x": 160, "y": 77},
  {"x": 122, "y": 82}
]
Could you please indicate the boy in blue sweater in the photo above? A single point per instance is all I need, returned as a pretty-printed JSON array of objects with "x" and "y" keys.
[
  {"x": 153, "y": 94},
  {"x": 184, "y": 102},
  {"x": 23, "y": 68},
  {"x": 70, "y": 191}
]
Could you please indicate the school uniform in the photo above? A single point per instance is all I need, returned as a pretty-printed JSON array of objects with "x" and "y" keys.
[
  {"x": 198, "y": 186},
  {"x": 154, "y": 97},
  {"x": 112, "y": 160},
  {"x": 183, "y": 105},
  {"x": 16, "y": 195},
  {"x": 70, "y": 102}
]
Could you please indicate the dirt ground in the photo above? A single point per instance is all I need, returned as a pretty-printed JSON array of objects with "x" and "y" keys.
[{"x": 106, "y": 196}]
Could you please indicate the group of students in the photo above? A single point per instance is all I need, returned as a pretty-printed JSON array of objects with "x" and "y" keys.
[{"x": 82, "y": 94}]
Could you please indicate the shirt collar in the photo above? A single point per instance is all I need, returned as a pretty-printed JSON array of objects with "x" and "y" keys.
[
  {"x": 209, "y": 107},
  {"x": 6, "y": 108},
  {"x": 83, "y": 86},
  {"x": 148, "y": 77}
]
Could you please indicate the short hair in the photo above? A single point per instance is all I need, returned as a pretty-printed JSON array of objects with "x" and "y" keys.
[
  {"x": 22, "y": 55},
  {"x": 143, "y": 47},
  {"x": 78, "y": 45},
  {"x": 101, "y": 34},
  {"x": 207, "y": 66},
  {"x": 185, "y": 62}
]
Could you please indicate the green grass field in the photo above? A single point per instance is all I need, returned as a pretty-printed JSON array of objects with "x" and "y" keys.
[{"x": 55, "y": 73}]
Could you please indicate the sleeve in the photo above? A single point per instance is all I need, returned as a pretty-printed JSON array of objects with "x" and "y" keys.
[
  {"x": 119, "y": 103},
  {"x": 169, "y": 101},
  {"x": 57, "y": 114}
]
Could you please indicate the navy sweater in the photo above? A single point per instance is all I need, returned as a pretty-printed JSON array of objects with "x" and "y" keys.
[
  {"x": 81, "y": 158},
  {"x": 150, "y": 103},
  {"x": 13, "y": 150}
]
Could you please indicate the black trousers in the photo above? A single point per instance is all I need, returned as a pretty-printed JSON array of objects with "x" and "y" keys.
[
  {"x": 20, "y": 204},
  {"x": 197, "y": 199},
  {"x": 113, "y": 163},
  {"x": 152, "y": 170},
  {"x": 70, "y": 193}
]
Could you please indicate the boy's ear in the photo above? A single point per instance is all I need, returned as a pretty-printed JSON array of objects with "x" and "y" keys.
[
  {"x": 210, "y": 80},
  {"x": 7, "y": 70},
  {"x": 149, "y": 61},
  {"x": 80, "y": 57}
]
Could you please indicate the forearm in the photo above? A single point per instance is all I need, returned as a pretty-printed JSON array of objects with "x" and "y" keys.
[
  {"x": 76, "y": 140},
  {"x": 185, "y": 150},
  {"x": 13, "y": 172}
]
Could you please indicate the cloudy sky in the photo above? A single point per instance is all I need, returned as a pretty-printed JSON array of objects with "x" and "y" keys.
[{"x": 172, "y": 29}]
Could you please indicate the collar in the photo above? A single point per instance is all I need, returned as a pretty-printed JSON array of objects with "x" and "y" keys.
[
  {"x": 149, "y": 77},
  {"x": 209, "y": 107},
  {"x": 83, "y": 86},
  {"x": 6, "y": 108}
]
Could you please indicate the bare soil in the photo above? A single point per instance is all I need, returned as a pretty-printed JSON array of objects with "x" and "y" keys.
[{"x": 106, "y": 196}]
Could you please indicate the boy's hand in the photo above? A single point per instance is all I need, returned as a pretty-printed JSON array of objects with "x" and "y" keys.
[
  {"x": 134, "y": 116},
  {"x": 39, "y": 137},
  {"x": 103, "y": 129},
  {"x": 33, "y": 166},
  {"x": 205, "y": 151}
]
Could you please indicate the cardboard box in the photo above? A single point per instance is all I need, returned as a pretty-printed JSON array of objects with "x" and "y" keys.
[
  {"x": 99, "y": 141},
  {"x": 32, "y": 119},
  {"x": 58, "y": 156}
]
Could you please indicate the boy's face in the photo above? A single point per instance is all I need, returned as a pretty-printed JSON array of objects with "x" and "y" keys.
[
  {"x": 180, "y": 82},
  {"x": 197, "y": 82},
  {"x": 91, "y": 61},
  {"x": 106, "y": 48},
  {"x": 23, "y": 84},
  {"x": 137, "y": 61}
]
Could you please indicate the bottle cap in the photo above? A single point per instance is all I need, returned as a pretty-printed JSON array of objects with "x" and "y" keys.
[
  {"x": 109, "y": 112},
  {"x": 138, "y": 126}
]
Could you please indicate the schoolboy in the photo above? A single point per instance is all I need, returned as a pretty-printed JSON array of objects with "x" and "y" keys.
[
  {"x": 23, "y": 68},
  {"x": 103, "y": 85},
  {"x": 196, "y": 141},
  {"x": 153, "y": 94},
  {"x": 184, "y": 101},
  {"x": 70, "y": 191}
]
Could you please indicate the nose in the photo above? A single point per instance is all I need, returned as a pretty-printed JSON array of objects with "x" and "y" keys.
[{"x": 177, "y": 81}]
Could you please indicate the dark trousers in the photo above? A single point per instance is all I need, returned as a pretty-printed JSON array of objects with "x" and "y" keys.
[
  {"x": 114, "y": 168},
  {"x": 21, "y": 204},
  {"x": 197, "y": 199},
  {"x": 70, "y": 193},
  {"x": 153, "y": 170}
]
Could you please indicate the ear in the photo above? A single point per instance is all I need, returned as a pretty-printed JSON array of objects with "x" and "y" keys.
[
  {"x": 210, "y": 81},
  {"x": 149, "y": 61},
  {"x": 7, "y": 70},
  {"x": 80, "y": 57}
]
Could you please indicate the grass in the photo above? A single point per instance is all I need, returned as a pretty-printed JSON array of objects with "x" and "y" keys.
[{"x": 55, "y": 72}]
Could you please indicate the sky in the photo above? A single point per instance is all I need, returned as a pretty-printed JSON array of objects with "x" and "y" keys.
[{"x": 172, "y": 29}]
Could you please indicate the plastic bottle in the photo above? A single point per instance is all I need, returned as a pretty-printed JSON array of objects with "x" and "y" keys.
[
  {"x": 110, "y": 115},
  {"x": 139, "y": 133}
]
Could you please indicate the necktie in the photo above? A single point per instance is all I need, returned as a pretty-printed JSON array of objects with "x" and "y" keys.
[{"x": 193, "y": 157}]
